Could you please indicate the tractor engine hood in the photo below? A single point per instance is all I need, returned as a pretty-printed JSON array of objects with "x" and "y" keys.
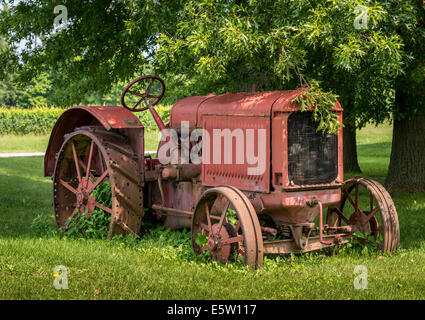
[{"x": 259, "y": 104}]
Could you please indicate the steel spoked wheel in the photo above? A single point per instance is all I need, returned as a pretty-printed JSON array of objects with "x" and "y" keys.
[
  {"x": 87, "y": 160},
  {"x": 370, "y": 212},
  {"x": 80, "y": 170},
  {"x": 225, "y": 224}
]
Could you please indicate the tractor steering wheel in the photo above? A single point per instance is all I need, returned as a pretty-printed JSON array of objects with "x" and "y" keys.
[{"x": 148, "y": 97}]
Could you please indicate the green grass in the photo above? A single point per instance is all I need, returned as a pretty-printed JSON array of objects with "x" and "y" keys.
[
  {"x": 19, "y": 144},
  {"x": 374, "y": 149},
  {"x": 34, "y": 143},
  {"x": 151, "y": 140},
  {"x": 162, "y": 266}
]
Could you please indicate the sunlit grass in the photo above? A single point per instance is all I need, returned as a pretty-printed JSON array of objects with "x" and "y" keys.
[
  {"x": 374, "y": 149},
  {"x": 34, "y": 143},
  {"x": 19, "y": 144}
]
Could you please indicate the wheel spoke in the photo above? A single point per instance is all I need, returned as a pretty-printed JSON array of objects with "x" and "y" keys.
[
  {"x": 135, "y": 93},
  {"x": 68, "y": 186},
  {"x": 137, "y": 104},
  {"x": 357, "y": 197},
  {"x": 98, "y": 181},
  {"x": 225, "y": 208},
  {"x": 149, "y": 87},
  {"x": 84, "y": 168},
  {"x": 77, "y": 166},
  {"x": 101, "y": 206},
  {"x": 339, "y": 213},
  {"x": 370, "y": 215},
  {"x": 350, "y": 199},
  {"x": 208, "y": 217},
  {"x": 232, "y": 240},
  {"x": 223, "y": 215},
  {"x": 71, "y": 216},
  {"x": 238, "y": 225},
  {"x": 89, "y": 162}
]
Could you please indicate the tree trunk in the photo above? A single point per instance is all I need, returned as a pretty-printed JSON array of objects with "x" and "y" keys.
[
  {"x": 406, "y": 173},
  {"x": 350, "y": 149}
]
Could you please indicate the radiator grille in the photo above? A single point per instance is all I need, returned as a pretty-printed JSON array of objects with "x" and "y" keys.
[{"x": 312, "y": 156}]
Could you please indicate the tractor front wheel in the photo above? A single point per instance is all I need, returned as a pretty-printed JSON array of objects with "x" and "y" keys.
[
  {"x": 370, "y": 212},
  {"x": 226, "y": 225}
]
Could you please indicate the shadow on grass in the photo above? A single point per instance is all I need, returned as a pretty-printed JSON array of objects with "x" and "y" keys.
[
  {"x": 24, "y": 194},
  {"x": 411, "y": 215}
]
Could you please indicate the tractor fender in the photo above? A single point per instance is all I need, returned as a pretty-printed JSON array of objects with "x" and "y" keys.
[{"x": 110, "y": 117}]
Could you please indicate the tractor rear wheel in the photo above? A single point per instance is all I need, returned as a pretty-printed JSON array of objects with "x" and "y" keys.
[
  {"x": 91, "y": 157},
  {"x": 368, "y": 208},
  {"x": 226, "y": 224}
]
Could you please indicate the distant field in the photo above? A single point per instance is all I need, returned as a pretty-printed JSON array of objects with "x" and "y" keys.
[{"x": 32, "y": 143}]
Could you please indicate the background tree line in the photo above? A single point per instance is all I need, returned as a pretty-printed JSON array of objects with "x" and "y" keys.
[
  {"x": 216, "y": 46},
  {"x": 41, "y": 92}
]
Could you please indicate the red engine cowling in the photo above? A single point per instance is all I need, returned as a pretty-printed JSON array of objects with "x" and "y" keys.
[{"x": 264, "y": 112}]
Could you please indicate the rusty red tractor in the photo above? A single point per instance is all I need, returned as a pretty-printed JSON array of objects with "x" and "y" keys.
[{"x": 232, "y": 213}]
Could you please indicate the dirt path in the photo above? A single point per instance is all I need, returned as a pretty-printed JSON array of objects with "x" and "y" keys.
[{"x": 26, "y": 154}]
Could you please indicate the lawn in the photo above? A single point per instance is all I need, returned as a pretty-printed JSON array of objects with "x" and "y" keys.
[
  {"x": 19, "y": 144},
  {"x": 162, "y": 266},
  {"x": 33, "y": 143}
]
